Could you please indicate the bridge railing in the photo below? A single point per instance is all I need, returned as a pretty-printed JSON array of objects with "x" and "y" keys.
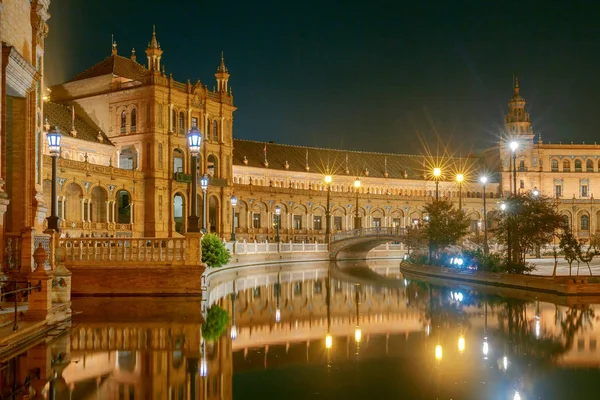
[
  {"x": 266, "y": 248},
  {"x": 366, "y": 232},
  {"x": 103, "y": 251}
]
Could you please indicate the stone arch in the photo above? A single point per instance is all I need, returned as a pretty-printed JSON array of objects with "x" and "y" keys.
[
  {"x": 179, "y": 212},
  {"x": 212, "y": 166},
  {"x": 241, "y": 220},
  {"x": 282, "y": 219},
  {"x": 583, "y": 221},
  {"x": 566, "y": 164},
  {"x": 377, "y": 218},
  {"x": 568, "y": 217},
  {"x": 554, "y": 165},
  {"x": 128, "y": 158},
  {"x": 589, "y": 165},
  {"x": 578, "y": 165},
  {"x": 259, "y": 217},
  {"x": 299, "y": 217},
  {"x": 178, "y": 160},
  {"x": 214, "y": 214},
  {"x": 73, "y": 195},
  {"x": 99, "y": 207},
  {"x": 338, "y": 218},
  {"x": 397, "y": 218}
]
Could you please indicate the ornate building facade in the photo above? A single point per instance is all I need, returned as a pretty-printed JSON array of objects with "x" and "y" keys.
[{"x": 125, "y": 170}]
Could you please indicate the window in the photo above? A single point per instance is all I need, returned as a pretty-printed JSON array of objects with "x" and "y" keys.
[
  {"x": 123, "y": 121},
  {"x": 577, "y": 165},
  {"x": 182, "y": 123},
  {"x": 566, "y": 166},
  {"x": 522, "y": 184},
  {"x": 337, "y": 223},
  {"x": 160, "y": 156},
  {"x": 277, "y": 221},
  {"x": 585, "y": 223},
  {"x": 589, "y": 166},
  {"x": 173, "y": 120},
  {"x": 194, "y": 122},
  {"x": 215, "y": 131},
  {"x": 317, "y": 223},
  {"x": 522, "y": 165},
  {"x": 558, "y": 190},
  {"x": 256, "y": 220},
  {"x": 377, "y": 222},
  {"x": 395, "y": 222},
  {"x": 297, "y": 221},
  {"x": 584, "y": 191},
  {"x": 554, "y": 164},
  {"x": 133, "y": 120},
  {"x": 160, "y": 116}
]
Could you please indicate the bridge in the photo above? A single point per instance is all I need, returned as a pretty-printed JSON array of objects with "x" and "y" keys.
[{"x": 355, "y": 244}]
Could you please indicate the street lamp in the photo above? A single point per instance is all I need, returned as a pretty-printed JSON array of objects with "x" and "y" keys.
[
  {"x": 277, "y": 219},
  {"x": 54, "y": 137},
  {"x": 356, "y": 218},
  {"x": 204, "y": 186},
  {"x": 514, "y": 145},
  {"x": 535, "y": 192},
  {"x": 437, "y": 173},
  {"x": 328, "y": 180},
  {"x": 194, "y": 139},
  {"x": 459, "y": 179},
  {"x": 483, "y": 181},
  {"x": 233, "y": 204},
  {"x": 503, "y": 206}
]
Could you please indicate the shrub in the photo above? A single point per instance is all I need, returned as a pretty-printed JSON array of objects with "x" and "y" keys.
[
  {"x": 214, "y": 252},
  {"x": 216, "y": 323}
]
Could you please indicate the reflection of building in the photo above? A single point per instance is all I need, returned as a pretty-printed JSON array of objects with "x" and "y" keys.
[{"x": 125, "y": 166}]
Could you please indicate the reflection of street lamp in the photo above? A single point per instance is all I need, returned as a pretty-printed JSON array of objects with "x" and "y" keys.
[
  {"x": 233, "y": 327},
  {"x": 277, "y": 219},
  {"x": 328, "y": 337},
  {"x": 514, "y": 145},
  {"x": 486, "y": 250},
  {"x": 278, "y": 296},
  {"x": 328, "y": 180},
  {"x": 233, "y": 204},
  {"x": 356, "y": 218},
  {"x": 54, "y": 137},
  {"x": 437, "y": 173},
  {"x": 459, "y": 179},
  {"x": 461, "y": 343},
  {"x": 204, "y": 186},
  {"x": 357, "y": 331},
  {"x": 194, "y": 139},
  {"x": 438, "y": 352}
]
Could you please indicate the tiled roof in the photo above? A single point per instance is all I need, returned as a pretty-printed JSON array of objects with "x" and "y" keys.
[
  {"x": 340, "y": 162},
  {"x": 61, "y": 116},
  {"x": 113, "y": 65}
]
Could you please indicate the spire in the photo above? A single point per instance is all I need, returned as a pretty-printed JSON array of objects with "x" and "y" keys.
[
  {"x": 517, "y": 121},
  {"x": 222, "y": 67},
  {"x": 154, "y": 43},
  {"x": 154, "y": 52},
  {"x": 222, "y": 76}
]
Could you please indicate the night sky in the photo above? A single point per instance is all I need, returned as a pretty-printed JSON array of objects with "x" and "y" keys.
[{"x": 373, "y": 75}]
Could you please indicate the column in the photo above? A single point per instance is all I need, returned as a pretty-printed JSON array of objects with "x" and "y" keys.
[
  {"x": 131, "y": 219},
  {"x": 107, "y": 211},
  {"x": 114, "y": 216},
  {"x": 83, "y": 210},
  {"x": 222, "y": 129},
  {"x": 62, "y": 211},
  {"x": 89, "y": 210},
  {"x": 118, "y": 158},
  {"x": 170, "y": 117}
]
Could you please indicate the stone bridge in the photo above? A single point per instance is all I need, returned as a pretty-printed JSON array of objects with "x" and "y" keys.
[{"x": 355, "y": 244}]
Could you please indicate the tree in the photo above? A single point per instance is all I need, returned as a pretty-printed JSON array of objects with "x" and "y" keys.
[
  {"x": 528, "y": 222},
  {"x": 570, "y": 246},
  {"x": 414, "y": 239},
  {"x": 590, "y": 253},
  {"x": 216, "y": 323},
  {"x": 446, "y": 224},
  {"x": 214, "y": 252}
]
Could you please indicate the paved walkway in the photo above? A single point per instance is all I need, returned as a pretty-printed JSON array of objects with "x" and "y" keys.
[{"x": 546, "y": 265}]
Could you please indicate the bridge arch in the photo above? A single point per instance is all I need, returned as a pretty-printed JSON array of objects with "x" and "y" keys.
[{"x": 355, "y": 244}]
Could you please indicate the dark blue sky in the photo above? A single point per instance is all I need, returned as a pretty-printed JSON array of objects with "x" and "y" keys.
[{"x": 361, "y": 75}]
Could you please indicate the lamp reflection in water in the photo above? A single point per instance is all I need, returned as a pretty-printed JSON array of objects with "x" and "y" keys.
[
  {"x": 328, "y": 337},
  {"x": 461, "y": 343},
  {"x": 517, "y": 396},
  {"x": 438, "y": 352},
  {"x": 277, "y": 288},
  {"x": 233, "y": 332},
  {"x": 357, "y": 331}
]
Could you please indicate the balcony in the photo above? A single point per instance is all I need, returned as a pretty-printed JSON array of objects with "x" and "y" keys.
[
  {"x": 218, "y": 182},
  {"x": 183, "y": 178}
]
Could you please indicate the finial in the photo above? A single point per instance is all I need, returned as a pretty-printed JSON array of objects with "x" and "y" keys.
[
  {"x": 222, "y": 67},
  {"x": 133, "y": 56},
  {"x": 114, "y": 48},
  {"x": 154, "y": 43}
]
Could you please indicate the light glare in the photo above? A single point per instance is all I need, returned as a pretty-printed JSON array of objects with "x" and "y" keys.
[{"x": 438, "y": 352}]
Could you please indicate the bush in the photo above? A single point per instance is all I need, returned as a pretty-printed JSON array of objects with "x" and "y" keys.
[
  {"x": 214, "y": 252},
  {"x": 215, "y": 324}
]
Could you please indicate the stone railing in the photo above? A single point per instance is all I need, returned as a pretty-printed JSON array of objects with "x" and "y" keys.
[
  {"x": 266, "y": 248},
  {"x": 368, "y": 232},
  {"x": 119, "y": 251}
]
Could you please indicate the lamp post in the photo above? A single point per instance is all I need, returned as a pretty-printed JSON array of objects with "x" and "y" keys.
[
  {"x": 194, "y": 139},
  {"x": 459, "y": 179},
  {"x": 233, "y": 204},
  {"x": 356, "y": 218},
  {"x": 54, "y": 137},
  {"x": 437, "y": 173},
  {"x": 204, "y": 186},
  {"x": 514, "y": 145},
  {"x": 483, "y": 181},
  {"x": 328, "y": 180},
  {"x": 277, "y": 219}
]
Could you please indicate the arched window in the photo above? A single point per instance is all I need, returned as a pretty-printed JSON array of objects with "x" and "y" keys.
[
  {"x": 215, "y": 131},
  {"x": 123, "y": 121},
  {"x": 212, "y": 166},
  {"x": 585, "y": 223},
  {"x": 589, "y": 166},
  {"x": 566, "y": 166},
  {"x": 133, "y": 120},
  {"x": 182, "y": 123},
  {"x": 522, "y": 165},
  {"x": 554, "y": 165},
  {"x": 178, "y": 161},
  {"x": 173, "y": 120},
  {"x": 577, "y": 165}
]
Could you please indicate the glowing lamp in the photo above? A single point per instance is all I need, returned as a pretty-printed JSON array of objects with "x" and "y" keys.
[
  {"x": 460, "y": 178},
  {"x": 357, "y": 335},
  {"x": 514, "y": 145},
  {"x": 203, "y": 367},
  {"x": 277, "y": 315},
  {"x": 328, "y": 179},
  {"x": 233, "y": 200},
  {"x": 233, "y": 332},
  {"x": 53, "y": 137},
  {"x": 194, "y": 139},
  {"x": 536, "y": 192},
  {"x": 503, "y": 206},
  {"x": 437, "y": 172},
  {"x": 483, "y": 179},
  {"x": 356, "y": 183},
  {"x": 277, "y": 210},
  {"x": 486, "y": 348},
  {"x": 328, "y": 341},
  {"x": 438, "y": 352},
  {"x": 505, "y": 363},
  {"x": 461, "y": 343},
  {"x": 204, "y": 182},
  {"x": 517, "y": 396}
]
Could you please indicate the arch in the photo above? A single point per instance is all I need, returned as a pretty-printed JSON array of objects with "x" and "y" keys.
[
  {"x": 73, "y": 195},
  {"x": 578, "y": 165},
  {"x": 128, "y": 158},
  {"x": 567, "y": 217},
  {"x": 241, "y": 215},
  {"x": 397, "y": 218},
  {"x": 178, "y": 161},
  {"x": 123, "y": 121},
  {"x": 173, "y": 120},
  {"x": 133, "y": 120},
  {"x": 181, "y": 123},
  {"x": 215, "y": 131},
  {"x": 99, "y": 207},
  {"x": 338, "y": 220},
  {"x": 123, "y": 206},
  {"x": 178, "y": 212},
  {"x": 589, "y": 165},
  {"x": 566, "y": 165},
  {"x": 554, "y": 165},
  {"x": 212, "y": 166},
  {"x": 584, "y": 221}
]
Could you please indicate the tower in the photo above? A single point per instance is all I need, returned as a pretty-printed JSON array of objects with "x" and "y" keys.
[
  {"x": 222, "y": 76},
  {"x": 518, "y": 122},
  {"x": 154, "y": 52}
]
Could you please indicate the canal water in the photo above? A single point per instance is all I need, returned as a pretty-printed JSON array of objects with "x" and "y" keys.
[{"x": 317, "y": 330}]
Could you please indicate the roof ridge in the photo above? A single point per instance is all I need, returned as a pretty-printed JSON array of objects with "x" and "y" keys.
[{"x": 86, "y": 70}]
